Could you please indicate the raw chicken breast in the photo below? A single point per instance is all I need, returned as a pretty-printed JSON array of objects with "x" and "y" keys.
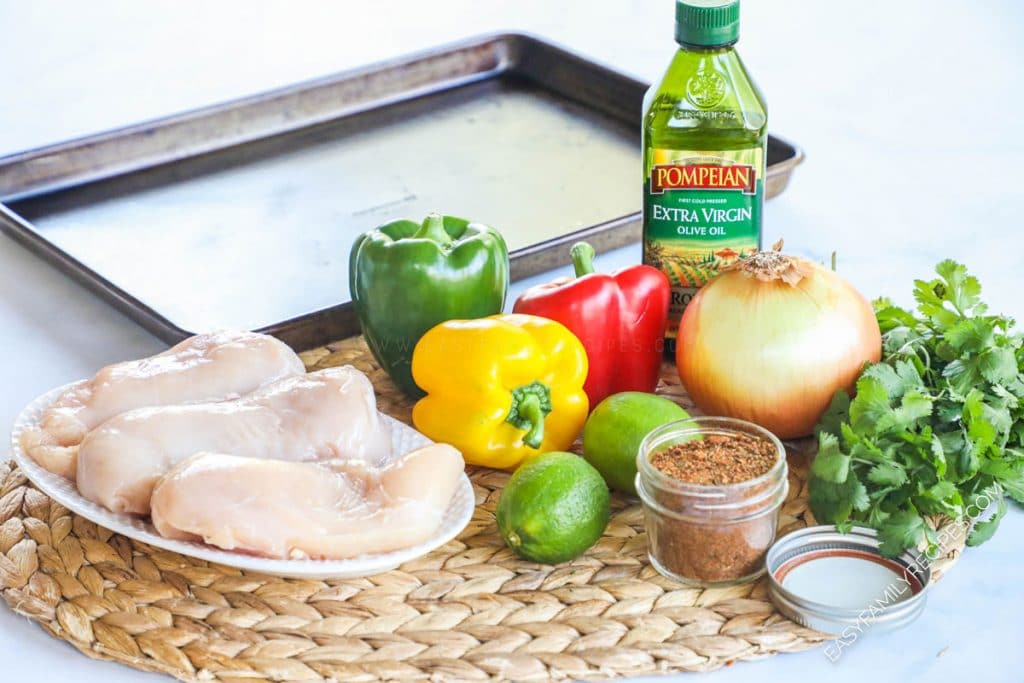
[
  {"x": 325, "y": 415},
  {"x": 206, "y": 367},
  {"x": 297, "y": 510}
]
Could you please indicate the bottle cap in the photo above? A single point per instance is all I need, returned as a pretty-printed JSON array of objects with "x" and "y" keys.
[{"x": 707, "y": 23}]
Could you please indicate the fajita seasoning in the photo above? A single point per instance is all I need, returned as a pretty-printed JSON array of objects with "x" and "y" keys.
[
  {"x": 717, "y": 460},
  {"x": 711, "y": 489}
]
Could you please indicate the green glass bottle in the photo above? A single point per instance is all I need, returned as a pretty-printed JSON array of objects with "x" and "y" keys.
[{"x": 704, "y": 141}]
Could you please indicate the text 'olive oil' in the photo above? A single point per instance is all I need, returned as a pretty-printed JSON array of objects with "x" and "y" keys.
[{"x": 704, "y": 141}]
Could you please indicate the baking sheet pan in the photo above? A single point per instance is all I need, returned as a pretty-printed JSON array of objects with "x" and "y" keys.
[{"x": 242, "y": 214}]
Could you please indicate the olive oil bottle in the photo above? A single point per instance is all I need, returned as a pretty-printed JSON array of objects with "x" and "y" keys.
[{"x": 704, "y": 145}]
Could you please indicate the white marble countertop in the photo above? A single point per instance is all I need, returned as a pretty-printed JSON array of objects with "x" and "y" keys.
[{"x": 909, "y": 113}]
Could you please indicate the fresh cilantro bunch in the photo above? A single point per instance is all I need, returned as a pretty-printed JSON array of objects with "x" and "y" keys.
[{"x": 937, "y": 427}]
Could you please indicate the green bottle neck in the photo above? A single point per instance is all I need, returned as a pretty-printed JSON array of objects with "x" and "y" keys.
[
  {"x": 708, "y": 49},
  {"x": 722, "y": 60},
  {"x": 691, "y": 55}
]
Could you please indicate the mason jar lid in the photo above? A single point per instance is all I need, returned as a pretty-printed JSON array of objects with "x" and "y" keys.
[{"x": 839, "y": 582}]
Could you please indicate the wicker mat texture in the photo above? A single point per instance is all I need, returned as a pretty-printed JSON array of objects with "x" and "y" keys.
[{"x": 469, "y": 611}]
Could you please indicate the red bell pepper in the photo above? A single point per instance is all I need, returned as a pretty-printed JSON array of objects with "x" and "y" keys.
[{"x": 620, "y": 318}]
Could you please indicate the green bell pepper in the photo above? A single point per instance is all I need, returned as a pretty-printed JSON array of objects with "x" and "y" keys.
[{"x": 406, "y": 277}]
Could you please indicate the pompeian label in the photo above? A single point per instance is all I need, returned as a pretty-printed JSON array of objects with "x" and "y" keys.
[
  {"x": 666, "y": 177},
  {"x": 702, "y": 212}
]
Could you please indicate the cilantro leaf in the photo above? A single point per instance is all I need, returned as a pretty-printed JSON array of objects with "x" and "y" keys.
[
  {"x": 913, "y": 407},
  {"x": 963, "y": 291},
  {"x": 830, "y": 464},
  {"x": 1009, "y": 473},
  {"x": 876, "y": 516},
  {"x": 891, "y": 317},
  {"x": 930, "y": 302},
  {"x": 888, "y": 474},
  {"x": 833, "y": 503},
  {"x": 981, "y": 430},
  {"x": 897, "y": 379},
  {"x": 972, "y": 335},
  {"x": 984, "y": 530},
  {"x": 869, "y": 451},
  {"x": 869, "y": 406},
  {"x": 962, "y": 375},
  {"x": 858, "y": 494},
  {"x": 965, "y": 462},
  {"x": 899, "y": 531},
  {"x": 838, "y": 411},
  {"x": 938, "y": 453},
  {"x": 941, "y": 498},
  {"x": 998, "y": 364}
]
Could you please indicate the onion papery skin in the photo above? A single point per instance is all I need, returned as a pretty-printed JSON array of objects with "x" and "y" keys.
[{"x": 775, "y": 353}]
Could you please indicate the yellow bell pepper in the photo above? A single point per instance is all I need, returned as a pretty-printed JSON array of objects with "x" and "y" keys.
[{"x": 501, "y": 389}]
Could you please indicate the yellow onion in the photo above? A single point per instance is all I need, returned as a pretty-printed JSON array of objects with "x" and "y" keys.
[{"x": 772, "y": 339}]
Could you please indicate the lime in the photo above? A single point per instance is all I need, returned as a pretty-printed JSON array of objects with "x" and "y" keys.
[
  {"x": 553, "y": 508},
  {"x": 612, "y": 435}
]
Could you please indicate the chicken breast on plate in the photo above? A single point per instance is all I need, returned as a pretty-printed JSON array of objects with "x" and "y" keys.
[
  {"x": 206, "y": 367},
  {"x": 305, "y": 510},
  {"x": 321, "y": 416}
]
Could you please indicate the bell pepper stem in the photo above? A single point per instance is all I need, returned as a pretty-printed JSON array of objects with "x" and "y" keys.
[
  {"x": 531, "y": 403},
  {"x": 530, "y": 410},
  {"x": 433, "y": 229},
  {"x": 582, "y": 258}
]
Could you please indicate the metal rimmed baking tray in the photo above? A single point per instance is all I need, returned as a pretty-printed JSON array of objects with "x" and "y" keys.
[{"x": 242, "y": 214}]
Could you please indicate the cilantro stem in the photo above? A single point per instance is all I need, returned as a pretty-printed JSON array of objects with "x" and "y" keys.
[{"x": 910, "y": 343}]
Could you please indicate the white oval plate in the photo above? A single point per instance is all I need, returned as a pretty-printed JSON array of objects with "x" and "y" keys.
[{"x": 404, "y": 439}]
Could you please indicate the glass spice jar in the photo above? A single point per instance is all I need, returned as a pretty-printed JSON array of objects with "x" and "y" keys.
[{"x": 711, "y": 534}]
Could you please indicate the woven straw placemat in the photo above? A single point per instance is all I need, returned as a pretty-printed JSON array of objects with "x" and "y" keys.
[{"x": 469, "y": 611}]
